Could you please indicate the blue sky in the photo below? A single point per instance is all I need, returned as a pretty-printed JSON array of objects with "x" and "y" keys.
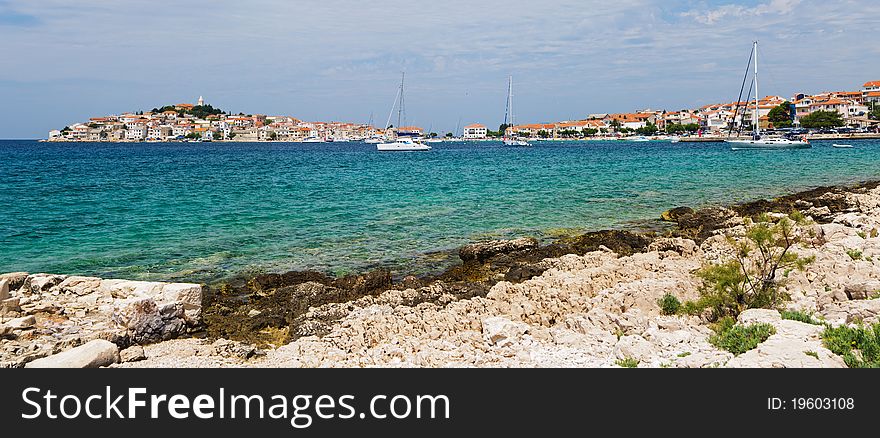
[{"x": 63, "y": 61}]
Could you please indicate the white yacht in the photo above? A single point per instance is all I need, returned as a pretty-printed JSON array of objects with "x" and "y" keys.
[
  {"x": 401, "y": 143},
  {"x": 757, "y": 141},
  {"x": 508, "y": 116},
  {"x": 313, "y": 140}
]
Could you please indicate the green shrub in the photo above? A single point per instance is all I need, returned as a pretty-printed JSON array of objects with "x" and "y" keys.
[
  {"x": 739, "y": 339},
  {"x": 669, "y": 304},
  {"x": 862, "y": 234},
  {"x": 684, "y": 354},
  {"x": 795, "y": 315},
  {"x": 854, "y": 254},
  {"x": 627, "y": 363},
  {"x": 748, "y": 280},
  {"x": 859, "y": 346},
  {"x": 812, "y": 353}
]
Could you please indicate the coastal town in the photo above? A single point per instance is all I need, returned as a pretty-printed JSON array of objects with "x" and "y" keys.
[{"x": 839, "y": 111}]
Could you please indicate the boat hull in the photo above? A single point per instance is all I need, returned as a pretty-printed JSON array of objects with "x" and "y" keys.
[
  {"x": 764, "y": 144},
  {"x": 402, "y": 147},
  {"x": 516, "y": 143}
]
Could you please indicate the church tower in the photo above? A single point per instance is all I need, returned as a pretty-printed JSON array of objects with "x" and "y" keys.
[{"x": 201, "y": 101}]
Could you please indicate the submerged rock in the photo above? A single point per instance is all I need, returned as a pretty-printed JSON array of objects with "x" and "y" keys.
[
  {"x": 482, "y": 251},
  {"x": 674, "y": 214}
]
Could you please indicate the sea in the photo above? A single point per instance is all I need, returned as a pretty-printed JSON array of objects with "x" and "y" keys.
[{"x": 207, "y": 211}]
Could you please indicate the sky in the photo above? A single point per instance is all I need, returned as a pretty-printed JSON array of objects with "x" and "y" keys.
[{"x": 64, "y": 61}]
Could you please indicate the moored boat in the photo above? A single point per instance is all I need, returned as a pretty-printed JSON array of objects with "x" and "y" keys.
[
  {"x": 757, "y": 141},
  {"x": 403, "y": 144},
  {"x": 508, "y": 117}
]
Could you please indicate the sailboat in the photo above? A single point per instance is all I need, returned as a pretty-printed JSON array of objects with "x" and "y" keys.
[
  {"x": 757, "y": 141},
  {"x": 401, "y": 143},
  {"x": 431, "y": 138},
  {"x": 374, "y": 139},
  {"x": 508, "y": 117}
]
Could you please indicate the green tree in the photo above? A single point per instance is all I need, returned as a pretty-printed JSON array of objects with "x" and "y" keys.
[
  {"x": 780, "y": 116},
  {"x": 193, "y": 135},
  {"x": 543, "y": 134},
  {"x": 273, "y": 135},
  {"x": 648, "y": 129},
  {"x": 615, "y": 124},
  {"x": 822, "y": 119},
  {"x": 875, "y": 112},
  {"x": 448, "y": 135},
  {"x": 503, "y": 127},
  {"x": 590, "y": 131}
]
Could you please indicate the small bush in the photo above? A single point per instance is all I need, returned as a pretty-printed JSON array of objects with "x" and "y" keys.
[
  {"x": 795, "y": 315},
  {"x": 749, "y": 280},
  {"x": 859, "y": 346},
  {"x": 738, "y": 339},
  {"x": 724, "y": 324},
  {"x": 685, "y": 354},
  {"x": 669, "y": 304},
  {"x": 854, "y": 254},
  {"x": 812, "y": 353},
  {"x": 627, "y": 363},
  {"x": 862, "y": 234}
]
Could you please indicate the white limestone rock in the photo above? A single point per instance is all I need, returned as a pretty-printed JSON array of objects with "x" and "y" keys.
[
  {"x": 132, "y": 354},
  {"x": 93, "y": 354},
  {"x": 4, "y": 289},
  {"x": 502, "y": 331}
]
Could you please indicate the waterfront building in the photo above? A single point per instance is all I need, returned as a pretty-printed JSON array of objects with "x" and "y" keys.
[{"x": 475, "y": 131}]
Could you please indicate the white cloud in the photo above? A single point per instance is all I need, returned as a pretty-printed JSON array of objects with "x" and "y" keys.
[{"x": 722, "y": 12}]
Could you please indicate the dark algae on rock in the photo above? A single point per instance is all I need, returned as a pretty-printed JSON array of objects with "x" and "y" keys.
[{"x": 275, "y": 308}]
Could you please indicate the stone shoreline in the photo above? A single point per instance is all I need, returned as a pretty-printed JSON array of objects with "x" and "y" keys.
[{"x": 586, "y": 300}]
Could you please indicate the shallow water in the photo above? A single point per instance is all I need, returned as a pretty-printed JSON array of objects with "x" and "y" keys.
[{"x": 200, "y": 211}]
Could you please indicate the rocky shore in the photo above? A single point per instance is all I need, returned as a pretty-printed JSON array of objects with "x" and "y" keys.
[{"x": 584, "y": 301}]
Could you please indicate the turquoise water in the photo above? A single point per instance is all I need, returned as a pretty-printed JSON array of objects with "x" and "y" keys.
[{"x": 187, "y": 211}]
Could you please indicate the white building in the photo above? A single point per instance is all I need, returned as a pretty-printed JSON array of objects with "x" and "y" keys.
[
  {"x": 136, "y": 132},
  {"x": 871, "y": 93},
  {"x": 475, "y": 131}
]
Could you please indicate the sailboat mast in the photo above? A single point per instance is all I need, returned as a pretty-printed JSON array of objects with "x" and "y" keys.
[
  {"x": 400, "y": 109},
  {"x": 510, "y": 97},
  {"x": 757, "y": 117}
]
